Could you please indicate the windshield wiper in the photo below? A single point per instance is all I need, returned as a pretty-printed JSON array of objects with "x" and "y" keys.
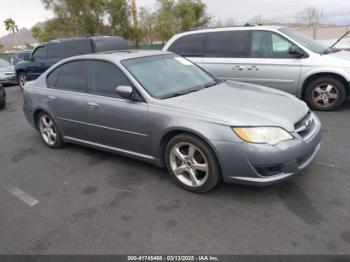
[
  {"x": 182, "y": 93},
  {"x": 216, "y": 82},
  {"x": 328, "y": 49}
]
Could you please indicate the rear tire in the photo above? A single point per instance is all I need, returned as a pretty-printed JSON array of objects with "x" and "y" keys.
[
  {"x": 2, "y": 104},
  {"x": 49, "y": 131},
  {"x": 21, "y": 78},
  {"x": 192, "y": 164},
  {"x": 325, "y": 94}
]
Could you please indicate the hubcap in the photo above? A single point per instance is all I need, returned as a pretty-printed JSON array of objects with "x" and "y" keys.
[
  {"x": 325, "y": 95},
  {"x": 189, "y": 164},
  {"x": 47, "y": 130}
]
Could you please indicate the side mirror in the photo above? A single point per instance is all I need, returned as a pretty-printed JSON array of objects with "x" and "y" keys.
[
  {"x": 125, "y": 91},
  {"x": 296, "y": 51}
]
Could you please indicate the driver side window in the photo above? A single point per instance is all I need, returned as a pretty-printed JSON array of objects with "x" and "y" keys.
[
  {"x": 104, "y": 77},
  {"x": 39, "y": 53},
  {"x": 269, "y": 45}
]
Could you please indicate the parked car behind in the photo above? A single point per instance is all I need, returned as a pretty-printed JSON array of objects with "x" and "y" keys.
[
  {"x": 272, "y": 56},
  {"x": 161, "y": 108},
  {"x": 2, "y": 96},
  {"x": 21, "y": 56},
  {"x": 47, "y": 54},
  {"x": 7, "y": 73}
]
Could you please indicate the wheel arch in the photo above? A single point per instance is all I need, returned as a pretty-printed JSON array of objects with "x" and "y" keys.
[
  {"x": 170, "y": 133},
  {"x": 315, "y": 76},
  {"x": 36, "y": 115},
  {"x": 18, "y": 71}
]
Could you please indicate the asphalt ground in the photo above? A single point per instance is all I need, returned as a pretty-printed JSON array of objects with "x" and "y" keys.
[{"x": 78, "y": 200}]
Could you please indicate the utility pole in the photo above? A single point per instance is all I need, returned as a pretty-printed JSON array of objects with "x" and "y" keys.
[{"x": 134, "y": 12}]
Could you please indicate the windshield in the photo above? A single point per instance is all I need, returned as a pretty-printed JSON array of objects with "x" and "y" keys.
[
  {"x": 304, "y": 40},
  {"x": 165, "y": 76},
  {"x": 4, "y": 62},
  {"x": 23, "y": 55}
]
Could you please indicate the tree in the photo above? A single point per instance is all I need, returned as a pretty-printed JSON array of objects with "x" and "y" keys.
[
  {"x": 36, "y": 33},
  {"x": 166, "y": 20},
  {"x": 148, "y": 21},
  {"x": 222, "y": 23},
  {"x": 77, "y": 18},
  {"x": 310, "y": 16},
  {"x": 1, "y": 46},
  {"x": 191, "y": 14},
  {"x": 118, "y": 13},
  {"x": 10, "y": 26},
  {"x": 173, "y": 17},
  {"x": 260, "y": 20}
]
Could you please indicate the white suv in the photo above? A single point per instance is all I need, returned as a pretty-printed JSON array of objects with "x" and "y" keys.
[{"x": 272, "y": 56}]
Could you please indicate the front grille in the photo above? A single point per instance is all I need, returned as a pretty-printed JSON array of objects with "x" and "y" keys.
[
  {"x": 268, "y": 170},
  {"x": 306, "y": 125}
]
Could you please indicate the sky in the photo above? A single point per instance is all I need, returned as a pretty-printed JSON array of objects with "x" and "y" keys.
[{"x": 27, "y": 13}]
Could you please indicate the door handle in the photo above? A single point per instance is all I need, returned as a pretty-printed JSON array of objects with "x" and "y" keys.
[
  {"x": 92, "y": 105},
  {"x": 238, "y": 67},
  {"x": 52, "y": 98},
  {"x": 253, "y": 67}
]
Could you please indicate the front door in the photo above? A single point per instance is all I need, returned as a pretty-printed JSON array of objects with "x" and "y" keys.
[
  {"x": 270, "y": 63},
  {"x": 115, "y": 122}
]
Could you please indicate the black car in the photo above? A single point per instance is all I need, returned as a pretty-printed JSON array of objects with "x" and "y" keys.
[
  {"x": 47, "y": 54},
  {"x": 2, "y": 97},
  {"x": 20, "y": 56}
]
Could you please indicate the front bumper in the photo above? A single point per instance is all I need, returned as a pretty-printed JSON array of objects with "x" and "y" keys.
[{"x": 262, "y": 164}]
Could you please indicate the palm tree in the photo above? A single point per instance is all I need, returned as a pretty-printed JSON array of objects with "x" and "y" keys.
[{"x": 10, "y": 26}]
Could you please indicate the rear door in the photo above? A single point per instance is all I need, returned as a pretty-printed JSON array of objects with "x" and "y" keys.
[
  {"x": 54, "y": 54},
  {"x": 270, "y": 63},
  {"x": 225, "y": 53},
  {"x": 67, "y": 88}
]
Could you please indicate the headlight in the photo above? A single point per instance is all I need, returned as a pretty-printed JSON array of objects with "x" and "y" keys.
[{"x": 262, "y": 135}]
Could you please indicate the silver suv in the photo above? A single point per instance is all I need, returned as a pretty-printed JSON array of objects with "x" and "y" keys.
[{"x": 272, "y": 56}]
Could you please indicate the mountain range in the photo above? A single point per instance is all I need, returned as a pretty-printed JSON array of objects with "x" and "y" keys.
[{"x": 24, "y": 36}]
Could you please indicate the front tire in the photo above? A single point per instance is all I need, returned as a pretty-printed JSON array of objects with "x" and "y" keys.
[
  {"x": 49, "y": 131},
  {"x": 325, "y": 94},
  {"x": 21, "y": 78},
  {"x": 192, "y": 164}
]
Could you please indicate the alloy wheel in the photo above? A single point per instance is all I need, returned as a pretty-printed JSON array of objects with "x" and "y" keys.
[
  {"x": 325, "y": 95},
  {"x": 22, "y": 80},
  {"x": 47, "y": 130},
  {"x": 189, "y": 164}
]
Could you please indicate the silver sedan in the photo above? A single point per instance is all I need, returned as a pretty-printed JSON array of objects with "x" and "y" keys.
[{"x": 161, "y": 108}]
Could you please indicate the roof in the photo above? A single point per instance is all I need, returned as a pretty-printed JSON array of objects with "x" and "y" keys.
[
  {"x": 117, "y": 56},
  {"x": 230, "y": 28}
]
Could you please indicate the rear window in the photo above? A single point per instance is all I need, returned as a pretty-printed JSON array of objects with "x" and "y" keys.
[
  {"x": 77, "y": 47},
  {"x": 189, "y": 45},
  {"x": 227, "y": 44},
  {"x": 52, "y": 78},
  {"x": 73, "y": 76}
]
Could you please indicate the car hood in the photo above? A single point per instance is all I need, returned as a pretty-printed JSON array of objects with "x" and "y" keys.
[
  {"x": 341, "y": 58},
  {"x": 240, "y": 104},
  {"x": 10, "y": 69}
]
